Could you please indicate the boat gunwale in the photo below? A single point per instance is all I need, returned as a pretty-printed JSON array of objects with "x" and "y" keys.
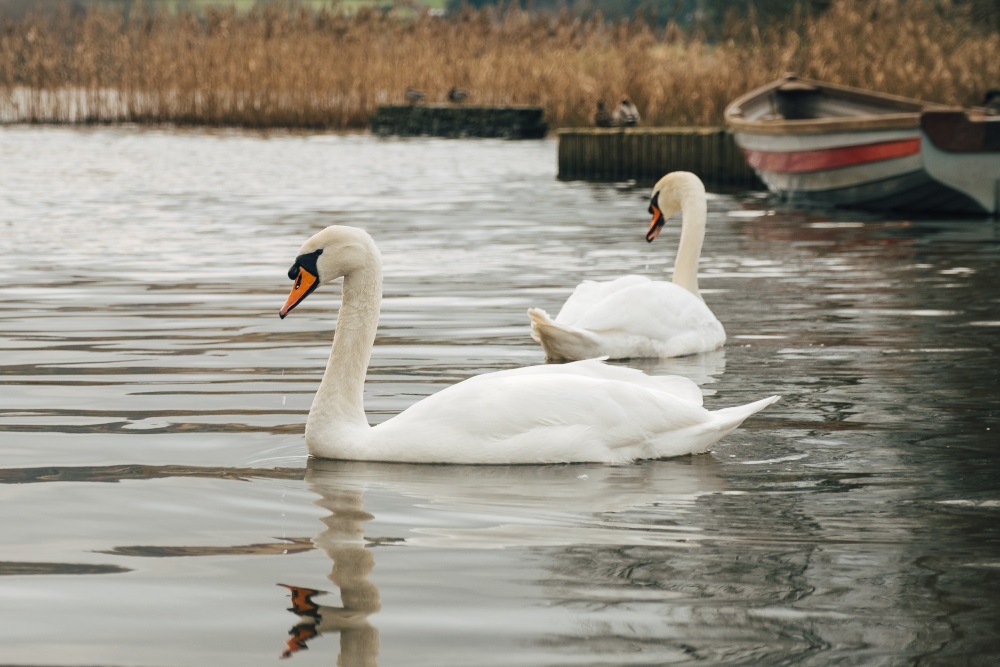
[
  {"x": 907, "y": 115},
  {"x": 970, "y": 137},
  {"x": 902, "y": 121}
]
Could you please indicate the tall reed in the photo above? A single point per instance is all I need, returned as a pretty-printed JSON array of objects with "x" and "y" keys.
[{"x": 283, "y": 65}]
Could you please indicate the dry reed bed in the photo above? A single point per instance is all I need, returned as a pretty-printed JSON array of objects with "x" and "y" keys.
[{"x": 285, "y": 66}]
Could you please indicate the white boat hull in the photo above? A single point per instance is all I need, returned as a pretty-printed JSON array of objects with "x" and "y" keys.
[{"x": 860, "y": 155}]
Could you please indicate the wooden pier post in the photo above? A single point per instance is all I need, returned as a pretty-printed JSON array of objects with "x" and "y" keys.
[{"x": 644, "y": 154}]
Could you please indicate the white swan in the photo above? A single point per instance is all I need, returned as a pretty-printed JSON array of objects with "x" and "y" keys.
[
  {"x": 633, "y": 316},
  {"x": 585, "y": 411}
]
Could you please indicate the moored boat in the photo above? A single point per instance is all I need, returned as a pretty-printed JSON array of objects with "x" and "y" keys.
[{"x": 827, "y": 144}]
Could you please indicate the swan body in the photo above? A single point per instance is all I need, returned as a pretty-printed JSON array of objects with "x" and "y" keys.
[
  {"x": 586, "y": 411},
  {"x": 633, "y": 316}
]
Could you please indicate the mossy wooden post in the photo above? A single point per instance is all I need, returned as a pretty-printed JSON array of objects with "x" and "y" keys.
[{"x": 643, "y": 154}]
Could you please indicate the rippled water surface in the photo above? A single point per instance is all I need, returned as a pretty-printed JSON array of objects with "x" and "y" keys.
[{"x": 158, "y": 504}]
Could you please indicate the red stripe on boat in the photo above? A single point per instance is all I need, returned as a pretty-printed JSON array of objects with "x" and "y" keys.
[{"x": 794, "y": 162}]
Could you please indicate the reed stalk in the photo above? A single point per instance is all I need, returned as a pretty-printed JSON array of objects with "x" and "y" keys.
[{"x": 282, "y": 65}]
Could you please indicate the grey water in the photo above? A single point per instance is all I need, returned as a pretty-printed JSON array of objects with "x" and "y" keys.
[{"x": 157, "y": 503}]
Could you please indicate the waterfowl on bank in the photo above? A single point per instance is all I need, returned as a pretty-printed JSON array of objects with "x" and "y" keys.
[
  {"x": 625, "y": 115},
  {"x": 587, "y": 411},
  {"x": 633, "y": 316},
  {"x": 458, "y": 95},
  {"x": 601, "y": 117},
  {"x": 412, "y": 95},
  {"x": 991, "y": 101}
]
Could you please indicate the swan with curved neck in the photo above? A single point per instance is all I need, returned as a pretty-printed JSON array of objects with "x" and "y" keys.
[
  {"x": 633, "y": 316},
  {"x": 586, "y": 411}
]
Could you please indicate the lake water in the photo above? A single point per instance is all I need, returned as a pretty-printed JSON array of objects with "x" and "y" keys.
[{"x": 156, "y": 494}]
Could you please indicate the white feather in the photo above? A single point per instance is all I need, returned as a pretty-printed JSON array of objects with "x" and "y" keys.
[
  {"x": 633, "y": 316},
  {"x": 587, "y": 411}
]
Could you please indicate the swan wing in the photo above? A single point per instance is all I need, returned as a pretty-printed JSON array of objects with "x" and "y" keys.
[
  {"x": 626, "y": 318},
  {"x": 657, "y": 310},
  {"x": 680, "y": 387},
  {"x": 537, "y": 416},
  {"x": 590, "y": 293}
]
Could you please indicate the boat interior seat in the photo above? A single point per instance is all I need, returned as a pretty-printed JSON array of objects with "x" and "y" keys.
[{"x": 796, "y": 100}]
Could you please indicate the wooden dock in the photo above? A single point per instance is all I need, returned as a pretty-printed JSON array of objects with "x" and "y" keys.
[
  {"x": 644, "y": 154},
  {"x": 459, "y": 120}
]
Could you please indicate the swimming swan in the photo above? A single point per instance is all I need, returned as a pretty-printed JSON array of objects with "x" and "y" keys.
[
  {"x": 586, "y": 411},
  {"x": 633, "y": 316}
]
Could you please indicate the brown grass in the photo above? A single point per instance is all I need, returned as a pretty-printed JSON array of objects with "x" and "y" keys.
[{"x": 286, "y": 66}]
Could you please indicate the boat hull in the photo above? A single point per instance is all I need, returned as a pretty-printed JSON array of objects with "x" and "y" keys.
[
  {"x": 962, "y": 150},
  {"x": 848, "y": 148}
]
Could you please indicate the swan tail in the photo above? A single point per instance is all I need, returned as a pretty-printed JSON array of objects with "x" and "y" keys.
[
  {"x": 561, "y": 342},
  {"x": 539, "y": 319},
  {"x": 728, "y": 419},
  {"x": 701, "y": 436}
]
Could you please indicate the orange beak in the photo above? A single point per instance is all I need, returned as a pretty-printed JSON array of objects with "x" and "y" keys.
[
  {"x": 305, "y": 283},
  {"x": 656, "y": 225},
  {"x": 302, "y": 602},
  {"x": 297, "y": 638}
]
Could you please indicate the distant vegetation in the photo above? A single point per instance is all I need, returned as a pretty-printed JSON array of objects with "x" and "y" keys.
[
  {"x": 315, "y": 64},
  {"x": 17, "y": 9}
]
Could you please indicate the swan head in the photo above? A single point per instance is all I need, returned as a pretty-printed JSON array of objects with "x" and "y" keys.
[
  {"x": 669, "y": 196},
  {"x": 335, "y": 252}
]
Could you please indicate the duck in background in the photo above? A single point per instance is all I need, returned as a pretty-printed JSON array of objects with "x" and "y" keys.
[
  {"x": 992, "y": 101},
  {"x": 412, "y": 95},
  {"x": 601, "y": 117},
  {"x": 626, "y": 115},
  {"x": 457, "y": 95}
]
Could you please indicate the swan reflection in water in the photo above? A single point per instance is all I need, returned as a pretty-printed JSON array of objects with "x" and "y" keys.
[
  {"x": 510, "y": 506},
  {"x": 343, "y": 541}
]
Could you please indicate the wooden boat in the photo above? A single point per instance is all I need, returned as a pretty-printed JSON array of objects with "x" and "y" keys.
[{"x": 821, "y": 143}]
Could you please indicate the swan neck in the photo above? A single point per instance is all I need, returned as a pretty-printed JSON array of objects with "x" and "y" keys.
[
  {"x": 694, "y": 211},
  {"x": 339, "y": 401}
]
